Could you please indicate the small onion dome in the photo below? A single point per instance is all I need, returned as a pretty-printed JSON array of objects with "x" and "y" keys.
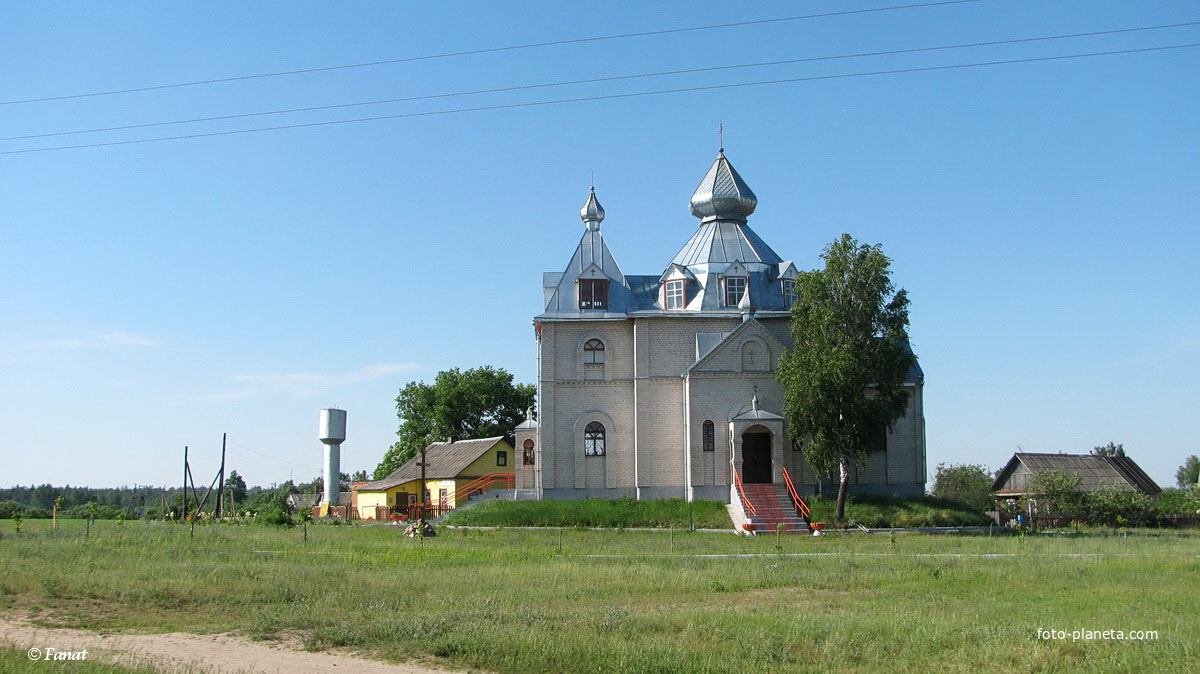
[
  {"x": 723, "y": 195},
  {"x": 592, "y": 211}
]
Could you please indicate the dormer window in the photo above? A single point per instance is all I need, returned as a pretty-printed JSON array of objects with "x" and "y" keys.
[
  {"x": 735, "y": 287},
  {"x": 789, "y": 292},
  {"x": 593, "y": 293},
  {"x": 675, "y": 294}
]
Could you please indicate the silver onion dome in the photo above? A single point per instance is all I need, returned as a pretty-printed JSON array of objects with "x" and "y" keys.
[
  {"x": 723, "y": 195},
  {"x": 592, "y": 211}
]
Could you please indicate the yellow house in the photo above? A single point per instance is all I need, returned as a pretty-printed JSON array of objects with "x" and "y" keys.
[{"x": 455, "y": 471}]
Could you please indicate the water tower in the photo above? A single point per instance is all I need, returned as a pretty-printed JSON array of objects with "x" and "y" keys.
[{"x": 332, "y": 435}]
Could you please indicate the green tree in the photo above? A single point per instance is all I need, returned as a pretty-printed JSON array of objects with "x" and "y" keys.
[
  {"x": 478, "y": 403},
  {"x": 844, "y": 379},
  {"x": 1188, "y": 475},
  {"x": 1058, "y": 491},
  {"x": 966, "y": 483},
  {"x": 1109, "y": 450},
  {"x": 236, "y": 486}
]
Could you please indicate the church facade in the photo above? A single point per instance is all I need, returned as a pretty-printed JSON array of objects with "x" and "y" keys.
[{"x": 663, "y": 385}]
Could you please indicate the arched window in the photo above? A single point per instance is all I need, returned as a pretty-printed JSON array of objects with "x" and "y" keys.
[
  {"x": 709, "y": 436},
  {"x": 527, "y": 453},
  {"x": 593, "y": 439},
  {"x": 593, "y": 352}
]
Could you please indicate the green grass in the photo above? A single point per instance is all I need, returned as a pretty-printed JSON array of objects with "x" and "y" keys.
[
  {"x": 883, "y": 511},
  {"x": 535, "y": 601},
  {"x": 612, "y": 513}
]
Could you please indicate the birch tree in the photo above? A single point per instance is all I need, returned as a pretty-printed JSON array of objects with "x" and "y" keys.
[{"x": 844, "y": 378}]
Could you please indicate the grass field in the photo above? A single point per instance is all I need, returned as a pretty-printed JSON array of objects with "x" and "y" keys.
[
  {"x": 536, "y": 601},
  {"x": 594, "y": 512}
]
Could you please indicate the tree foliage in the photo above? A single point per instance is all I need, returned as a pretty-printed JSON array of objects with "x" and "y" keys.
[
  {"x": 1109, "y": 450},
  {"x": 966, "y": 483},
  {"x": 844, "y": 378},
  {"x": 236, "y": 486},
  {"x": 1057, "y": 490},
  {"x": 1188, "y": 474},
  {"x": 481, "y": 402}
]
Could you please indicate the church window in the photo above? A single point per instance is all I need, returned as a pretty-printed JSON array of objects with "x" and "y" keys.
[
  {"x": 735, "y": 287},
  {"x": 593, "y": 352},
  {"x": 593, "y": 293},
  {"x": 527, "y": 455},
  {"x": 501, "y": 458},
  {"x": 710, "y": 436},
  {"x": 593, "y": 439},
  {"x": 676, "y": 298},
  {"x": 789, "y": 292}
]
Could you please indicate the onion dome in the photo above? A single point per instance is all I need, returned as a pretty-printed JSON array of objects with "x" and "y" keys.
[
  {"x": 592, "y": 211},
  {"x": 723, "y": 195}
]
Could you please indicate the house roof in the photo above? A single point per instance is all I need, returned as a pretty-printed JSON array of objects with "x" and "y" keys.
[
  {"x": 446, "y": 460},
  {"x": 1094, "y": 472}
]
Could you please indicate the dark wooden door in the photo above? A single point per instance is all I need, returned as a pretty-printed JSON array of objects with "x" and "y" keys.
[{"x": 756, "y": 457}]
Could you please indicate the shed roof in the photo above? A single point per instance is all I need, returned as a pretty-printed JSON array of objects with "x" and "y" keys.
[
  {"x": 446, "y": 460},
  {"x": 1094, "y": 472}
]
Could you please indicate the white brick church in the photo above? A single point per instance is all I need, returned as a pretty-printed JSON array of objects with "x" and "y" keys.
[{"x": 664, "y": 385}]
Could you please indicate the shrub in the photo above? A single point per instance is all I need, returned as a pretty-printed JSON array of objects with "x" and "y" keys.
[
  {"x": 1118, "y": 507},
  {"x": 276, "y": 517},
  {"x": 969, "y": 484}
]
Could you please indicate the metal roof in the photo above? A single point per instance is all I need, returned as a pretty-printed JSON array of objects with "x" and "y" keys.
[
  {"x": 445, "y": 461},
  {"x": 722, "y": 194},
  {"x": 592, "y": 210},
  {"x": 720, "y": 241}
]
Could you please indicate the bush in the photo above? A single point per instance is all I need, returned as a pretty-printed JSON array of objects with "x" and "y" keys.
[
  {"x": 1118, "y": 508},
  {"x": 968, "y": 484},
  {"x": 276, "y": 517},
  {"x": 1179, "y": 502}
]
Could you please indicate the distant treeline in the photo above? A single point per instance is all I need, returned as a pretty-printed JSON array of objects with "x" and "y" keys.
[{"x": 138, "y": 502}]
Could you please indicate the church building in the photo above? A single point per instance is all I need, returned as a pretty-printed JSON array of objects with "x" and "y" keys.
[{"x": 663, "y": 385}]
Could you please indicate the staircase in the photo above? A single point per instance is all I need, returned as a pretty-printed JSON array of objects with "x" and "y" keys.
[{"x": 773, "y": 506}]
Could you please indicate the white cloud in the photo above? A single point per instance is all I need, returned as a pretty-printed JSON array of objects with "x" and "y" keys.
[
  {"x": 306, "y": 384},
  {"x": 97, "y": 340}
]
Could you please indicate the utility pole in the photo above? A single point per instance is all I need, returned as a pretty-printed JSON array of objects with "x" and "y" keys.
[
  {"x": 421, "y": 516},
  {"x": 185, "y": 480},
  {"x": 221, "y": 481}
]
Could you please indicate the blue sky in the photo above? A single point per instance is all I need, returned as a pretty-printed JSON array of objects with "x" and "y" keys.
[{"x": 1043, "y": 216}]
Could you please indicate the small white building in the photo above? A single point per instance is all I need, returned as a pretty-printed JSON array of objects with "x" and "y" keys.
[{"x": 663, "y": 385}]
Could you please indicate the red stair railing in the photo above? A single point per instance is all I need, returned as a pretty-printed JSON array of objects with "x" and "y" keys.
[
  {"x": 750, "y": 510},
  {"x": 801, "y": 507},
  {"x": 484, "y": 483}
]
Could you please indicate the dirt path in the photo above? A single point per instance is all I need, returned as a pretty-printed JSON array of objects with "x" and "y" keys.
[{"x": 220, "y": 653}]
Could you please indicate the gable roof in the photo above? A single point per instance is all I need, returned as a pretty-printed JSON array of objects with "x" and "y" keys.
[
  {"x": 446, "y": 461},
  {"x": 1094, "y": 472},
  {"x": 750, "y": 325}
]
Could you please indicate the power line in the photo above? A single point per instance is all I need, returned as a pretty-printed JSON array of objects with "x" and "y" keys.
[
  {"x": 489, "y": 50},
  {"x": 276, "y": 458},
  {"x": 508, "y": 106},
  {"x": 594, "y": 80}
]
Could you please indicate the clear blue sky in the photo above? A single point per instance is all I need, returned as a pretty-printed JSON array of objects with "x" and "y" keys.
[{"x": 1043, "y": 216}]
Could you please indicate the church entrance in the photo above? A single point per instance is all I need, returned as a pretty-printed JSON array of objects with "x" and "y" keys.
[{"x": 756, "y": 457}]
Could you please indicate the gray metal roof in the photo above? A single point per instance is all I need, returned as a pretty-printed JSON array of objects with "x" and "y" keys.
[
  {"x": 445, "y": 461},
  {"x": 720, "y": 241},
  {"x": 722, "y": 194}
]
